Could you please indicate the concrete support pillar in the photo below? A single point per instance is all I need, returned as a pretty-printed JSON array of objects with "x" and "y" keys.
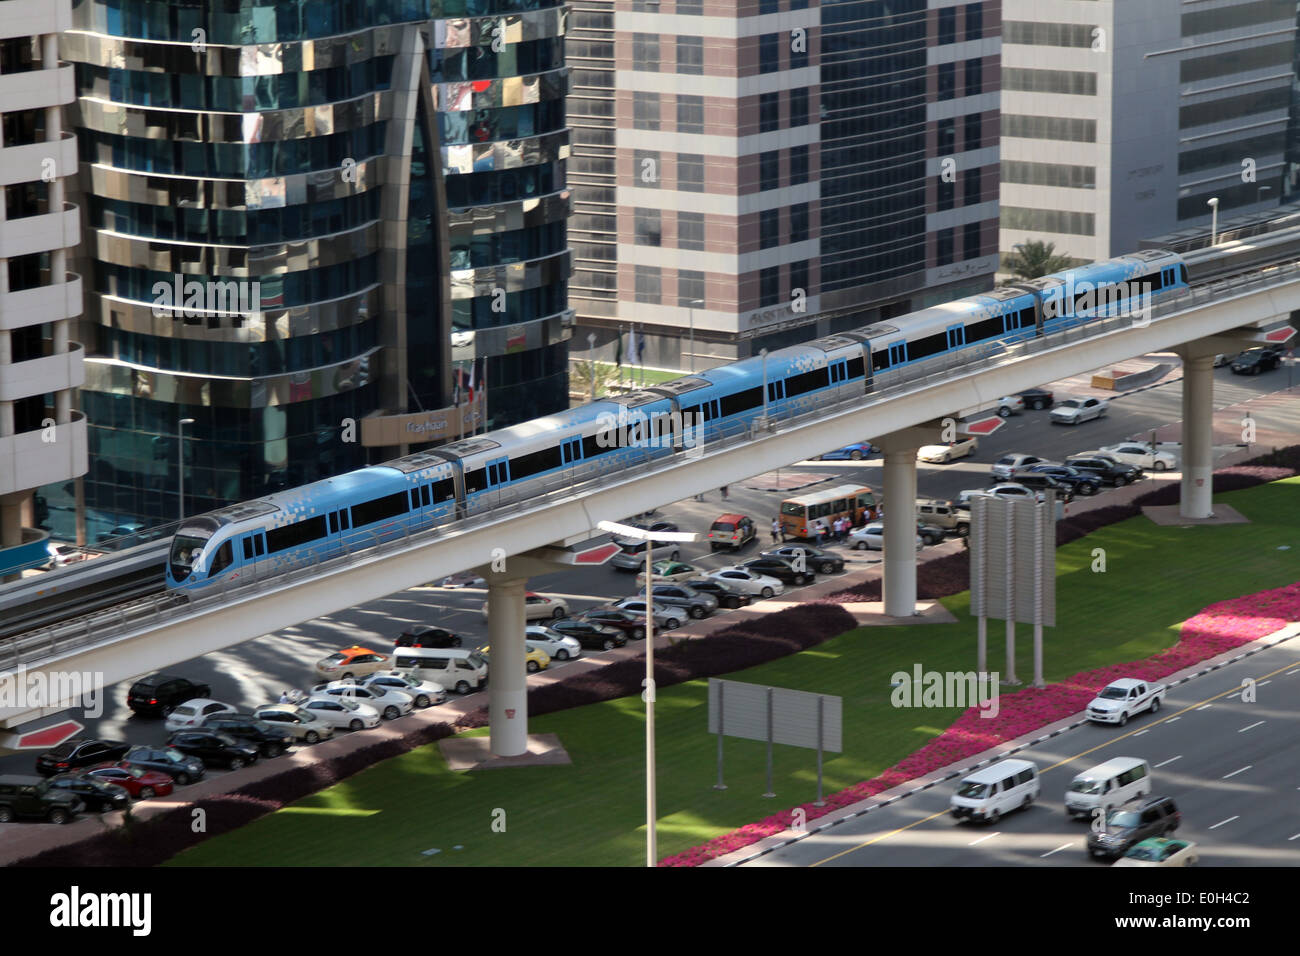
[
  {"x": 1198, "y": 436},
  {"x": 63, "y": 397},
  {"x": 900, "y": 526},
  {"x": 11, "y": 519},
  {"x": 507, "y": 675}
]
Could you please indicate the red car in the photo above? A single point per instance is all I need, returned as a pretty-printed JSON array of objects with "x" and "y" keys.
[{"x": 138, "y": 782}]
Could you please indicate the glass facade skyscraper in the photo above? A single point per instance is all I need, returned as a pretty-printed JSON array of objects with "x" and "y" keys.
[{"x": 302, "y": 216}]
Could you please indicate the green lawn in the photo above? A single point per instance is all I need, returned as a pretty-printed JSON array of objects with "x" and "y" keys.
[{"x": 592, "y": 813}]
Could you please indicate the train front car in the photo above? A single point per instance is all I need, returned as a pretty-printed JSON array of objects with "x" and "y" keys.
[{"x": 187, "y": 562}]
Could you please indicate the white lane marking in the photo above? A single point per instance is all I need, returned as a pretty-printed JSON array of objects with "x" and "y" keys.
[
  {"x": 1171, "y": 760},
  {"x": 1222, "y": 822},
  {"x": 1263, "y": 682},
  {"x": 983, "y": 838},
  {"x": 1290, "y": 672},
  {"x": 1064, "y": 846},
  {"x": 1139, "y": 733},
  {"x": 1235, "y": 772},
  {"x": 1205, "y": 707},
  {"x": 1296, "y": 837},
  {"x": 1170, "y": 720},
  {"x": 1251, "y": 727}
]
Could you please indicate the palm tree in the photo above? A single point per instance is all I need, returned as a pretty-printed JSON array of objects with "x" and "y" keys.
[{"x": 1035, "y": 259}]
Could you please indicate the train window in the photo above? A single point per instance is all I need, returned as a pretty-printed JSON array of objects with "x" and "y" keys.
[
  {"x": 879, "y": 360},
  {"x": 332, "y": 522},
  {"x": 591, "y": 446},
  {"x": 475, "y": 480},
  {"x": 539, "y": 461},
  {"x": 930, "y": 345},
  {"x": 292, "y": 535},
  {"x": 988, "y": 329},
  {"x": 248, "y": 549},
  {"x": 1182, "y": 273},
  {"x": 345, "y": 520},
  {"x": 744, "y": 401},
  {"x": 699, "y": 413},
  {"x": 806, "y": 382},
  {"x": 444, "y": 490},
  {"x": 1027, "y": 317},
  {"x": 225, "y": 556},
  {"x": 1157, "y": 280},
  {"x": 380, "y": 509},
  {"x": 259, "y": 545},
  {"x": 857, "y": 367}
]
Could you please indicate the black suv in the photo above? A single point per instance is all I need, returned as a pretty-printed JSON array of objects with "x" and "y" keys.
[
  {"x": 1039, "y": 482},
  {"x": 1254, "y": 361},
  {"x": 79, "y": 752},
  {"x": 34, "y": 798},
  {"x": 211, "y": 747},
  {"x": 727, "y": 597},
  {"x": 1037, "y": 398},
  {"x": 782, "y": 569},
  {"x": 1080, "y": 482},
  {"x": 96, "y": 795},
  {"x": 1114, "y": 472},
  {"x": 270, "y": 741},
  {"x": 158, "y": 695},
  {"x": 823, "y": 562},
  {"x": 1132, "y": 823},
  {"x": 180, "y": 767},
  {"x": 421, "y": 635},
  {"x": 592, "y": 635}
]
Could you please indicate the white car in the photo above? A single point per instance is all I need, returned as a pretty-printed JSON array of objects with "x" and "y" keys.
[
  {"x": 1009, "y": 405},
  {"x": 1125, "y": 698},
  {"x": 1007, "y": 489},
  {"x": 424, "y": 693},
  {"x": 1007, "y": 465},
  {"x": 871, "y": 537},
  {"x": 1142, "y": 455},
  {"x": 342, "y": 713},
  {"x": 301, "y": 724},
  {"x": 539, "y": 607},
  {"x": 1072, "y": 411},
  {"x": 192, "y": 713},
  {"x": 387, "y": 701},
  {"x": 554, "y": 644},
  {"x": 748, "y": 582},
  {"x": 946, "y": 452}
]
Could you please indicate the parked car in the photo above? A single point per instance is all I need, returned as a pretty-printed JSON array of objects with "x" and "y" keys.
[
  {"x": 556, "y": 645},
  {"x": 1040, "y": 483},
  {"x": 424, "y": 635},
  {"x": 138, "y": 782},
  {"x": 948, "y": 451},
  {"x": 1105, "y": 467},
  {"x": 1083, "y": 483},
  {"x": 781, "y": 569},
  {"x": 537, "y": 607},
  {"x": 1133, "y": 823},
  {"x": 192, "y": 713},
  {"x": 35, "y": 798},
  {"x": 1159, "y": 851},
  {"x": 77, "y": 753},
  {"x": 97, "y": 796},
  {"x": 632, "y": 557},
  {"x": 388, "y": 702},
  {"x": 668, "y": 572},
  {"x": 943, "y": 513},
  {"x": 694, "y": 603},
  {"x": 856, "y": 451},
  {"x": 158, "y": 694},
  {"x": 1142, "y": 455},
  {"x": 819, "y": 560},
  {"x": 535, "y": 657},
  {"x": 1008, "y": 465},
  {"x": 181, "y": 768},
  {"x": 294, "y": 720},
  {"x": 1074, "y": 411},
  {"x": 593, "y": 635},
  {"x": 342, "y": 713},
  {"x": 1254, "y": 361},
  {"x": 271, "y": 740},
  {"x": 731, "y": 531},
  {"x": 728, "y": 597},
  {"x": 871, "y": 537},
  {"x": 352, "y": 661},
  {"x": 425, "y": 693},
  {"x": 1009, "y": 405},
  {"x": 751, "y": 582},
  {"x": 1037, "y": 398},
  {"x": 1005, "y": 489},
  {"x": 665, "y": 618},
  {"x": 654, "y": 527},
  {"x": 1126, "y": 698},
  {"x": 632, "y": 626},
  {"x": 213, "y": 748}
]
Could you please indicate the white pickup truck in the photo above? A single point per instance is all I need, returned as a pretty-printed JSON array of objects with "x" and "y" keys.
[{"x": 1126, "y": 698}]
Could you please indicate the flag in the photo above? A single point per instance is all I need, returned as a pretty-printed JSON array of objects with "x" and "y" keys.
[
  {"x": 633, "y": 356},
  {"x": 473, "y": 368},
  {"x": 618, "y": 350}
]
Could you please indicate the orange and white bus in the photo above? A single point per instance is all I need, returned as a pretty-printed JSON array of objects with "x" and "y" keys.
[{"x": 856, "y": 501}]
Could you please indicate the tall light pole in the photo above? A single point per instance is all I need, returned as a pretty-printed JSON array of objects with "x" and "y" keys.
[
  {"x": 180, "y": 459},
  {"x": 694, "y": 303},
  {"x": 591, "y": 344},
  {"x": 1214, "y": 220},
  {"x": 641, "y": 534}
]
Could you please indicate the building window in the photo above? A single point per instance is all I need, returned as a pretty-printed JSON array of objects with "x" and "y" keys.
[
  {"x": 799, "y": 278},
  {"x": 974, "y": 77},
  {"x": 646, "y": 167},
  {"x": 769, "y": 53},
  {"x": 799, "y": 106},
  {"x": 799, "y": 222},
  {"x": 690, "y": 288},
  {"x": 769, "y": 170},
  {"x": 645, "y": 51},
  {"x": 943, "y": 247},
  {"x": 971, "y": 184},
  {"x": 798, "y": 165},
  {"x": 974, "y": 130},
  {"x": 798, "y": 57},
  {"x": 1034, "y": 33},
  {"x": 769, "y": 286},
  {"x": 645, "y": 6},
  {"x": 768, "y": 6},
  {"x": 1049, "y": 220},
  {"x": 1060, "y": 174},
  {"x": 649, "y": 229},
  {"x": 769, "y": 112},
  {"x": 1236, "y": 61},
  {"x": 645, "y": 110},
  {"x": 1050, "y": 127},
  {"x": 1075, "y": 82},
  {"x": 971, "y": 241},
  {"x": 945, "y": 192},
  {"x": 690, "y": 114},
  {"x": 690, "y": 172},
  {"x": 648, "y": 284},
  {"x": 690, "y": 8},
  {"x": 974, "y": 21},
  {"x": 947, "y": 129},
  {"x": 690, "y": 230},
  {"x": 769, "y": 228},
  {"x": 947, "y": 81},
  {"x": 948, "y": 25},
  {"x": 690, "y": 55}
]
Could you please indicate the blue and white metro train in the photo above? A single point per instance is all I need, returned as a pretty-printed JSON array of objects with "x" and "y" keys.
[{"x": 382, "y": 502}]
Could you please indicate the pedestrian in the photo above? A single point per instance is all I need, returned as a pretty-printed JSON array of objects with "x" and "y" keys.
[
  {"x": 839, "y": 528},
  {"x": 819, "y": 528},
  {"x": 284, "y": 697},
  {"x": 724, "y": 492},
  {"x": 776, "y": 530}
]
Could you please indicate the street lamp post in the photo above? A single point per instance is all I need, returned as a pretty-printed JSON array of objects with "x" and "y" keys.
[
  {"x": 180, "y": 459},
  {"x": 694, "y": 303},
  {"x": 649, "y": 537},
  {"x": 1214, "y": 220},
  {"x": 591, "y": 345}
]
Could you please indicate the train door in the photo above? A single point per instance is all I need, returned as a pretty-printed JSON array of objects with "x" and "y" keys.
[
  {"x": 570, "y": 452},
  {"x": 839, "y": 370},
  {"x": 956, "y": 337},
  {"x": 897, "y": 354},
  {"x": 498, "y": 475},
  {"x": 253, "y": 551}
]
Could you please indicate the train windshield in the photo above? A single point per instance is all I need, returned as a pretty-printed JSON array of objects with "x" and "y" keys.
[{"x": 185, "y": 550}]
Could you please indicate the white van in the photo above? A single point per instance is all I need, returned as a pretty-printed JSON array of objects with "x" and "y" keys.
[
  {"x": 455, "y": 667},
  {"x": 993, "y": 791},
  {"x": 1108, "y": 785}
]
